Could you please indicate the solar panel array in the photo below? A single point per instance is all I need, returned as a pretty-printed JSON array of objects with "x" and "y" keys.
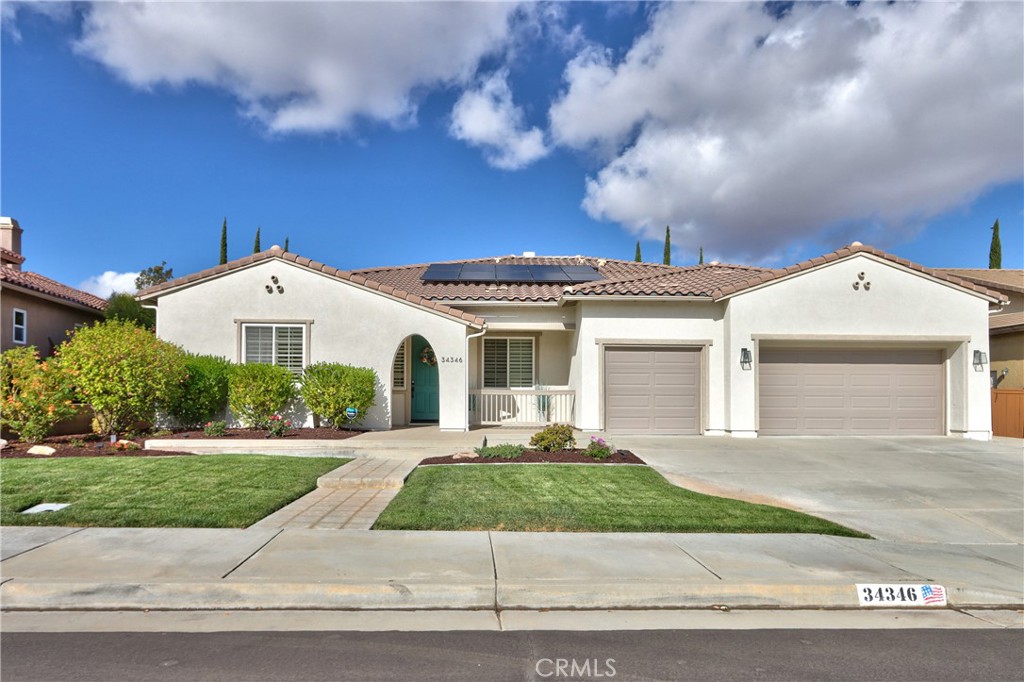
[{"x": 511, "y": 274}]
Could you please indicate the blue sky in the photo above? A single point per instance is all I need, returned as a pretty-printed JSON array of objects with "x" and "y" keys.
[{"x": 389, "y": 134}]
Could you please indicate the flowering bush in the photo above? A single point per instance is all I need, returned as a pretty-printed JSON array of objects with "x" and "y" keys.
[
  {"x": 598, "y": 448},
  {"x": 278, "y": 426},
  {"x": 34, "y": 395},
  {"x": 215, "y": 429}
]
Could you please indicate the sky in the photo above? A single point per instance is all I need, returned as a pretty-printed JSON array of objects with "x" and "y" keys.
[{"x": 371, "y": 134}]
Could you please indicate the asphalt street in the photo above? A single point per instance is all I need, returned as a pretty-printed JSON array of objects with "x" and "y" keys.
[{"x": 762, "y": 655}]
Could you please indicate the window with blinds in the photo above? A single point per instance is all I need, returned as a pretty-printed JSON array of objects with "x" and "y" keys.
[
  {"x": 398, "y": 369},
  {"x": 275, "y": 344},
  {"x": 508, "y": 363}
]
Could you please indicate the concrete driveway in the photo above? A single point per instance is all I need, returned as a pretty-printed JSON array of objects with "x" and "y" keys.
[{"x": 946, "y": 490}]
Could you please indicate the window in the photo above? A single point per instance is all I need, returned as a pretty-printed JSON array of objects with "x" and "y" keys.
[
  {"x": 20, "y": 327},
  {"x": 508, "y": 363},
  {"x": 275, "y": 344},
  {"x": 398, "y": 369}
]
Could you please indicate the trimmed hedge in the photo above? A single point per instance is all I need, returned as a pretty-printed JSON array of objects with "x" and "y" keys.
[
  {"x": 256, "y": 392},
  {"x": 328, "y": 389},
  {"x": 203, "y": 395}
]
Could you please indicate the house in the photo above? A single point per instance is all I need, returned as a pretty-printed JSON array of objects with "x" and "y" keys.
[
  {"x": 1005, "y": 323},
  {"x": 36, "y": 310},
  {"x": 855, "y": 342}
]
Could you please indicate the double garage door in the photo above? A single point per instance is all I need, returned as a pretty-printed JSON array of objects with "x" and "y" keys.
[
  {"x": 854, "y": 392},
  {"x": 652, "y": 389}
]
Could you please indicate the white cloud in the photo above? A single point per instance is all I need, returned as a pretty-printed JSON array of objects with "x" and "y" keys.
[
  {"x": 747, "y": 133},
  {"x": 109, "y": 282},
  {"x": 309, "y": 67},
  {"x": 486, "y": 117}
]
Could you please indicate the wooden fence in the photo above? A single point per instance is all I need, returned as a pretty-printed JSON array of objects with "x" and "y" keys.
[{"x": 1008, "y": 412}]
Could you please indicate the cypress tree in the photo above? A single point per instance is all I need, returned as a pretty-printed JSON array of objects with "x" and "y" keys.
[
  {"x": 638, "y": 258},
  {"x": 286, "y": 244},
  {"x": 224, "y": 242},
  {"x": 256, "y": 244},
  {"x": 995, "y": 251},
  {"x": 701, "y": 262},
  {"x": 668, "y": 246}
]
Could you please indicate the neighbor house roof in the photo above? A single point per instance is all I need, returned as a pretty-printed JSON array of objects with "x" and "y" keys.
[
  {"x": 410, "y": 278},
  {"x": 44, "y": 285},
  {"x": 1007, "y": 280},
  {"x": 1003, "y": 323},
  {"x": 767, "y": 276},
  {"x": 11, "y": 256},
  {"x": 352, "y": 277}
]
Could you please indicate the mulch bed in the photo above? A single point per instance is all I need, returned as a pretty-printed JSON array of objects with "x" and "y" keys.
[
  {"x": 321, "y": 433},
  {"x": 537, "y": 457},
  {"x": 92, "y": 448}
]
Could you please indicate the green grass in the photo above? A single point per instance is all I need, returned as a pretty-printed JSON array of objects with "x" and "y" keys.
[
  {"x": 578, "y": 498},
  {"x": 217, "y": 491}
]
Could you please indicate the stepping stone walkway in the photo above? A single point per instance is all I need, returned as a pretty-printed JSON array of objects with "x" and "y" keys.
[{"x": 351, "y": 497}]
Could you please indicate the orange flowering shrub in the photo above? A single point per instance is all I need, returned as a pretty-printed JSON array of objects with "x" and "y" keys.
[{"x": 34, "y": 394}]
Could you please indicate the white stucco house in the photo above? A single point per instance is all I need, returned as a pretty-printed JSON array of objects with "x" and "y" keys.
[{"x": 855, "y": 342}]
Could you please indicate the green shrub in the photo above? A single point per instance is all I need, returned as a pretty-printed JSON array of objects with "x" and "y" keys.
[
  {"x": 500, "y": 451},
  {"x": 34, "y": 395},
  {"x": 203, "y": 394},
  {"x": 328, "y": 389},
  {"x": 553, "y": 438},
  {"x": 125, "y": 307},
  {"x": 122, "y": 371},
  {"x": 215, "y": 429},
  {"x": 598, "y": 448},
  {"x": 257, "y": 391}
]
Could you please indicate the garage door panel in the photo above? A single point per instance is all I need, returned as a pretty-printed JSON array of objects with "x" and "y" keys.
[
  {"x": 850, "y": 391},
  {"x": 652, "y": 390}
]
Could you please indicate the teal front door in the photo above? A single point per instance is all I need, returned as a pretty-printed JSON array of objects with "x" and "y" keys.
[{"x": 424, "y": 382}]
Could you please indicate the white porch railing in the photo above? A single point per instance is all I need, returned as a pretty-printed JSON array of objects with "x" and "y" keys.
[{"x": 522, "y": 406}]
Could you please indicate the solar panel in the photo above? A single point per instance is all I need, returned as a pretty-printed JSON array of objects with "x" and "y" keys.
[
  {"x": 476, "y": 272},
  {"x": 442, "y": 272},
  {"x": 581, "y": 273},
  {"x": 512, "y": 273},
  {"x": 548, "y": 273}
]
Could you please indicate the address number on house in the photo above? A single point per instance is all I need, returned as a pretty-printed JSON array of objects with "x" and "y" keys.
[
  {"x": 901, "y": 594},
  {"x": 449, "y": 359}
]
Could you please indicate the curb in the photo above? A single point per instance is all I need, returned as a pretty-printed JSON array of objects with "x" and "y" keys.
[{"x": 25, "y": 595}]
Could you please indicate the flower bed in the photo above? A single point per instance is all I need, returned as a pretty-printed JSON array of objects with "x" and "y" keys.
[
  {"x": 575, "y": 456},
  {"x": 84, "y": 446}
]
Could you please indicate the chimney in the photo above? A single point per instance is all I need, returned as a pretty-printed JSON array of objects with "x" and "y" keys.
[{"x": 10, "y": 239}]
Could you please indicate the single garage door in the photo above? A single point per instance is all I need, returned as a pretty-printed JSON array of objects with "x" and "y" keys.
[
  {"x": 857, "y": 392},
  {"x": 652, "y": 390}
]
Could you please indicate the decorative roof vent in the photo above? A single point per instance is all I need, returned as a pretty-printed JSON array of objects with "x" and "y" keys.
[{"x": 856, "y": 244}]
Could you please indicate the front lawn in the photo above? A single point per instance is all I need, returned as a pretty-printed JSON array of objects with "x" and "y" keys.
[
  {"x": 217, "y": 491},
  {"x": 578, "y": 498}
]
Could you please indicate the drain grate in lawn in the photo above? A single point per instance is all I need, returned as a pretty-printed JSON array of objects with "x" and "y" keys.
[{"x": 579, "y": 498}]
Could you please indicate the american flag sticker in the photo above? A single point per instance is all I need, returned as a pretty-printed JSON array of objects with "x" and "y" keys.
[{"x": 901, "y": 595}]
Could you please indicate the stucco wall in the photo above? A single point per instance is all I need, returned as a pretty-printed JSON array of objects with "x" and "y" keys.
[
  {"x": 671, "y": 322},
  {"x": 350, "y": 324},
  {"x": 1007, "y": 350},
  {"x": 901, "y": 309},
  {"x": 46, "y": 320}
]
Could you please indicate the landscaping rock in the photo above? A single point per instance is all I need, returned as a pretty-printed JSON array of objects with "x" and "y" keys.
[
  {"x": 3, "y": 443},
  {"x": 465, "y": 455},
  {"x": 41, "y": 450}
]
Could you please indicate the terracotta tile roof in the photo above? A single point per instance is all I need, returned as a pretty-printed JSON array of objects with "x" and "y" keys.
[
  {"x": 409, "y": 278},
  {"x": 1007, "y": 280},
  {"x": 11, "y": 256},
  {"x": 1005, "y": 322},
  {"x": 354, "y": 278},
  {"x": 846, "y": 252},
  {"x": 45, "y": 285},
  {"x": 696, "y": 280}
]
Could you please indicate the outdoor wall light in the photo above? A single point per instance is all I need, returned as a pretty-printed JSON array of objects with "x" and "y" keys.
[
  {"x": 980, "y": 359},
  {"x": 746, "y": 359}
]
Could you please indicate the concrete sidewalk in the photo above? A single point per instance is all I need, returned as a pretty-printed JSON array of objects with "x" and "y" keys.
[{"x": 213, "y": 569}]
